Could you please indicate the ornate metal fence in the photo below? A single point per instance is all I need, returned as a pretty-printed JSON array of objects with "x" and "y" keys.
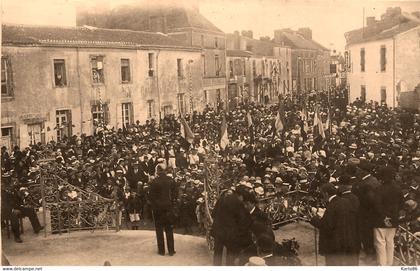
[
  {"x": 407, "y": 247},
  {"x": 72, "y": 208}
]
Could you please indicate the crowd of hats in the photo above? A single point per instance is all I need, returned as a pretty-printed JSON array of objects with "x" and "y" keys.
[{"x": 360, "y": 135}]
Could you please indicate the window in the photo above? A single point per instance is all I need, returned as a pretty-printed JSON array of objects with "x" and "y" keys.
[
  {"x": 127, "y": 114},
  {"x": 347, "y": 60},
  {"x": 362, "y": 59},
  {"x": 151, "y": 64},
  {"x": 167, "y": 110},
  {"x": 216, "y": 43},
  {"x": 125, "y": 71},
  {"x": 97, "y": 63},
  {"x": 63, "y": 124},
  {"x": 203, "y": 59},
  {"x": 7, "y": 137},
  {"x": 6, "y": 131},
  {"x": 179, "y": 68},
  {"x": 6, "y": 77},
  {"x": 243, "y": 67},
  {"x": 181, "y": 103},
  {"x": 150, "y": 108},
  {"x": 60, "y": 73},
  {"x": 383, "y": 58},
  {"x": 218, "y": 95},
  {"x": 363, "y": 93},
  {"x": 231, "y": 68},
  {"x": 206, "y": 97},
  {"x": 254, "y": 68},
  {"x": 383, "y": 95},
  {"x": 100, "y": 114},
  {"x": 35, "y": 133},
  {"x": 217, "y": 65}
]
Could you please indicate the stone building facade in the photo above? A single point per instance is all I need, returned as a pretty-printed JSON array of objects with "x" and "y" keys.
[
  {"x": 184, "y": 23},
  {"x": 383, "y": 60},
  {"x": 310, "y": 61},
  {"x": 257, "y": 70},
  {"x": 66, "y": 81}
]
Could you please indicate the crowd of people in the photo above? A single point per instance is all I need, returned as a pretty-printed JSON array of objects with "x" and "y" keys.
[{"x": 358, "y": 143}]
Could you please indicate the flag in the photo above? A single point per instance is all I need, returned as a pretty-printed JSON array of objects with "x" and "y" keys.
[
  {"x": 304, "y": 114},
  {"x": 224, "y": 140},
  {"x": 318, "y": 122},
  {"x": 327, "y": 123},
  {"x": 186, "y": 131},
  {"x": 250, "y": 127},
  {"x": 279, "y": 123},
  {"x": 249, "y": 119}
]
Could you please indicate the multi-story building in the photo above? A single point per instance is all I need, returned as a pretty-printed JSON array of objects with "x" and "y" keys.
[
  {"x": 383, "y": 58},
  {"x": 257, "y": 70},
  {"x": 184, "y": 23},
  {"x": 310, "y": 60},
  {"x": 338, "y": 70},
  {"x": 63, "y": 81}
]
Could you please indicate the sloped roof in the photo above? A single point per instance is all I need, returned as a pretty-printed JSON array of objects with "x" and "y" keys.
[
  {"x": 378, "y": 33},
  {"x": 298, "y": 42},
  {"x": 197, "y": 20},
  {"x": 84, "y": 37},
  {"x": 238, "y": 53},
  {"x": 137, "y": 18}
]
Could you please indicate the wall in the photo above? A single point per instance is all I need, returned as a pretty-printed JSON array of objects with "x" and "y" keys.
[
  {"x": 36, "y": 99},
  {"x": 372, "y": 78},
  {"x": 407, "y": 61}
]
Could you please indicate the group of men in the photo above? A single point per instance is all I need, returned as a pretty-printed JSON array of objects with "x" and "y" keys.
[{"x": 260, "y": 156}]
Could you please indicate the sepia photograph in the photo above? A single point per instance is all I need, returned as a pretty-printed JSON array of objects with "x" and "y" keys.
[{"x": 210, "y": 133}]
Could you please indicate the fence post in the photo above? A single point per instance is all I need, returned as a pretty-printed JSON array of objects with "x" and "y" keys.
[
  {"x": 44, "y": 204},
  {"x": 58, "y": 208}
]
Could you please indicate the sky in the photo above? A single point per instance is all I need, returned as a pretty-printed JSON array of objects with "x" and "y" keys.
[{"x": 328, "y": 19}]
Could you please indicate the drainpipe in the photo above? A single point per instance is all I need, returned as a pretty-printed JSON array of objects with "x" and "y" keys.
[
  {"x": 393, "y": 72},
  {"x": 80, "y": 91},
  {"x": 157, "y": 84}
]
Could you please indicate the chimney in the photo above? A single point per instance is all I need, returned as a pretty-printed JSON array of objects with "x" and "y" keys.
[
  {"x": 247, "y": 33},
  {"x": 306, "y": 32},
  {"x": 416, "y": 13},
  {"x": 370, "y": 21},
  {"x": 236, "y": 40}
]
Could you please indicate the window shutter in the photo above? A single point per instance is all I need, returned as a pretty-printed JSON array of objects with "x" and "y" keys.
[
  {"x": 9, "y": 76},
  {"x": 106, "y": 114},
  {"x": 69, "y": 123},
  {"x": 131, "y": 113}
]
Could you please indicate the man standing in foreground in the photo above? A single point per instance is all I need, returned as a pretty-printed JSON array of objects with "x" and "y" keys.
[
  {"x": 162, "y": 195},
  {"x": 387, "y": 204},
  {"x": 231, "y": 226},
  {"x": 334, "y": 232}
]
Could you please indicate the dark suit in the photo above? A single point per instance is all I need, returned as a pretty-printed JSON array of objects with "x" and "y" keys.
[
  {"x": 353, "y": 224},
  {"x": 365, "y": 191},
  {"x": 335, "y": 233},
  {"x": 162, "y": 194},
  {"x": 261, "y": 224},
  {"x": 151, "y": 166},
  {"x": 231, "y": 227},
  {"x": 134, "y": 175},
  {"x": 12, "y": 203},
  {"x": 387, "y": 203}
]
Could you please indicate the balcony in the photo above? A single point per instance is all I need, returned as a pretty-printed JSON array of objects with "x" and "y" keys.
[{"x": 214, "y": 81}]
